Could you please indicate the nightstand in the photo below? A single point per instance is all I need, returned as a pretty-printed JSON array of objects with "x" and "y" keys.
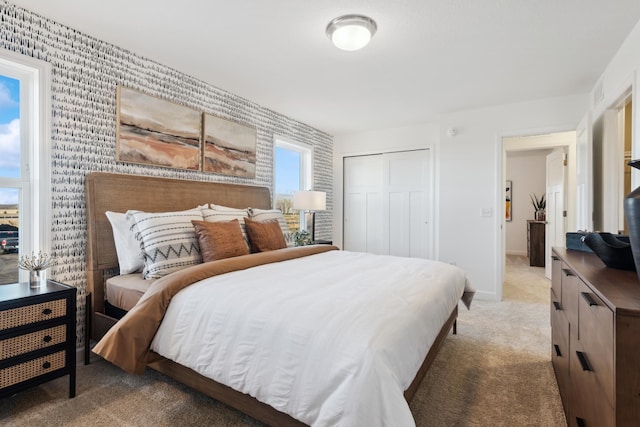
[
  {"x": 37, "y": 336},
  {"x": 322, "y": 242}
]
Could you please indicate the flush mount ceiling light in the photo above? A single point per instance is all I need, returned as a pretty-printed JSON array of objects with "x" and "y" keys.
[{"x": 351, "y": 32}]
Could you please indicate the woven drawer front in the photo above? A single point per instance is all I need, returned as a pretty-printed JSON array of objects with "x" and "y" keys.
[
  {"x": 34, "y": 341},
  {"x": 32, "y": 313},
  {"x": 31, "y": 369}
]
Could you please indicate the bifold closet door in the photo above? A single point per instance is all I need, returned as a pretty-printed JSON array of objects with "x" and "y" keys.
[{"x": 388, "y": 203}]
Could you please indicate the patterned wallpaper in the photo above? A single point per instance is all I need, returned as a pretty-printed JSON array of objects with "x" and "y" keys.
[{"x": 85, "y": 73}]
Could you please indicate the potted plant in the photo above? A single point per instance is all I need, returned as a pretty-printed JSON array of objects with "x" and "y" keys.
[{"x": 539, "y": 205}]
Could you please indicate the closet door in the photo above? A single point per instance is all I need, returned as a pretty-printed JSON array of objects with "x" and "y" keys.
[
  {"x": 363, "y": 204},
  {"x": 405, "y": 202},
  {"x": 387, "y": 203}
]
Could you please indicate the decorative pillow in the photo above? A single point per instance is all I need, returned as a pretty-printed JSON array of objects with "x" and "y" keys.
[
  {"x": 265, "y": 235},
  {"x": 127, "y": 247},
  {"x": 220, "y": 240},
  {"x": 167, "y": 239},
  {"x": 267, "y": 214},
  {"x": 226, "y": 208},
  {"x": 228, "y": 214}
]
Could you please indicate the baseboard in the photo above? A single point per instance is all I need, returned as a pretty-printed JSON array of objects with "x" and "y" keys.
[
  {"x": 516, "y": 253},
  {"x": 487, "y": 296}
]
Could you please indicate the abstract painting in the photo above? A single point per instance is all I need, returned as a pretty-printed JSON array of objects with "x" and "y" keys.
[
  {"x": 229, "y": 147},
  {"x": 508, "y": 200},
  {"x": 157, "y": 132}
]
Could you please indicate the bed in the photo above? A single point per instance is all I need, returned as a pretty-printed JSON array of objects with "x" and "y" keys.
[{"x": 184, "y": 288}]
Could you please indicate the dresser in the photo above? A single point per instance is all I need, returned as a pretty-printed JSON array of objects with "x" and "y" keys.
[
  {"x": 595, "y": 340},
  {"x": 536, "y": 243},
  {"x": 37, "y": 335}
]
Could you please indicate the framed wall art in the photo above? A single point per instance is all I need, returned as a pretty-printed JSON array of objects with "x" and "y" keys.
[
  {"x": 157, "y": 132},
  {"x": 229, "y": 148},
  {"x": 508, "y": 200}
]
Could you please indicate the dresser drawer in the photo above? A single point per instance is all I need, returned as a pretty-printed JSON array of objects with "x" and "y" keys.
[
  {"x": 24, "y": 371},
  {"x": 32, "y": 341},
  {"x": 32, "y": 313},
  {"x": 595, "y": 335}
]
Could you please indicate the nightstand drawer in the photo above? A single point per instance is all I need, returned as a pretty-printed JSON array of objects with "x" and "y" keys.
[
  {"x": 33, "y": 341},
  {"x": 31, "y": 369},
  {"x": 32, "y": 313}
]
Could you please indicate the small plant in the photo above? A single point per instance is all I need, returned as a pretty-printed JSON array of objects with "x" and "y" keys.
[
  {"x": 538, "y": 204},
  {"x": 34, "y": 262},
  {"x": 302, "y": 237}
]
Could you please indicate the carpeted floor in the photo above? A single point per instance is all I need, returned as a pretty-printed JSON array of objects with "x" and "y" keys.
[{"x": 495, "y": 372}]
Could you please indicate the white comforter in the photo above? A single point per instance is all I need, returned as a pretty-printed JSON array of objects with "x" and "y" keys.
[{"x": 331, "y": 339}]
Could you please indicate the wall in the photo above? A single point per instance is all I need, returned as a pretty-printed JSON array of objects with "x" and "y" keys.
[
  {"x": 527, "y": 171},
  {"x": 85, "y": 73},
  {"x": 469, "y": 175}
]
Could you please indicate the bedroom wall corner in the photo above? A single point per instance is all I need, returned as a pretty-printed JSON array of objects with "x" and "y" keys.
[{"x": 85, "y": 74}]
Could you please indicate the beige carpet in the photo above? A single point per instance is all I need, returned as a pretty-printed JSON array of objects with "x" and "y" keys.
[{"x": 495, "y": 372}]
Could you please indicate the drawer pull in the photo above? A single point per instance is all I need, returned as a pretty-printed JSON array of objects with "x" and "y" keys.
[
  {"x": 580, "y": 422},
  {"x": 46, "y": 365},
  {"x": 47, "y": 311},
  {"x": 589, "y": 299},
  {"x": 583, "y": 361},
  {"x": 558, "y": 353},
  {"x": 568, "y": 272},
  {"x": 47, "y": 338},
  {"x": 557, "y": 305}
]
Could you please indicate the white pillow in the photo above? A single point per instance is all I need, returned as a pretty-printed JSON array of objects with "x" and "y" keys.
[
  {"x": 267, "y": 214},
  {"x": 127, "y": 247},
  {"x": 223, "y": 213},
  {"x": 167, "y": 239},
  {"x": 227, "y": 208}
]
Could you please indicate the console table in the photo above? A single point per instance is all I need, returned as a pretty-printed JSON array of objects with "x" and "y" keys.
[{"x": 535, "y": 242}]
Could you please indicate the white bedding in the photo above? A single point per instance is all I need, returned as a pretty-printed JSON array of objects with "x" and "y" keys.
[{"x": 331, "y": 339}]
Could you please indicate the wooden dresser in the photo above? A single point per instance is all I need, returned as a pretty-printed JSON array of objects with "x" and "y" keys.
[
  {"x": 37, "y": 335},
  {"x": 595, "y": 348}
]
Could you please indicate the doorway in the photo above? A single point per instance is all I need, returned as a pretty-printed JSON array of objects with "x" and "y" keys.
[{"x": 527, "y": 163}]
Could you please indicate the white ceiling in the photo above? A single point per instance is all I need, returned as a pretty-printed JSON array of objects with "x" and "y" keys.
[{"x": 428, "y": 56}]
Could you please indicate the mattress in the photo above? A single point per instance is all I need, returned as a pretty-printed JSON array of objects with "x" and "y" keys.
[
  {"x": 125, "y": 290},
  {"x": 330, "y": 339}
]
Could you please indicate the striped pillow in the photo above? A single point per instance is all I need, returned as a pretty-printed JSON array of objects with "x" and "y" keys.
[
  {"x": 168, "y": 241},
  {"x": 228, "y": 214},
  {"x": 267, "y": 214}
]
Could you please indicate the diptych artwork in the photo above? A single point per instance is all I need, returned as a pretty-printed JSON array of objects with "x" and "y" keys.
[
  {"x": 229, "y": 147},
  {"x": 157, "y": 132}
]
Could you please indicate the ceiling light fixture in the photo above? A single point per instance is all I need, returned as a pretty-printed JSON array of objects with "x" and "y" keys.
[{"x": 351, "y": 32}]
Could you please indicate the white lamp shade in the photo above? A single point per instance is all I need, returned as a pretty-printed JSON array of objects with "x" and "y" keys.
[{"x": 310, "y": 200}]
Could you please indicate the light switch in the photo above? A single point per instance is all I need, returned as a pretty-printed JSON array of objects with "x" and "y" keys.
[{"x": 486, "y": 212}]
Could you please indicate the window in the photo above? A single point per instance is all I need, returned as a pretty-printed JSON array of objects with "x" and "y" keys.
[
  {"x": 292, "y": 172},
  {"x": 25, "y": 200}
]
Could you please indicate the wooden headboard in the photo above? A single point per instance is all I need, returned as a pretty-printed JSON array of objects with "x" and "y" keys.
[{"x": 119, "y": 193}]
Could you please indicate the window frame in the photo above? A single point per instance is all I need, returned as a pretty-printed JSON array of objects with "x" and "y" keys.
[
  {"x": 306, "y": 167},
  {"x": 34, "y": 182}
]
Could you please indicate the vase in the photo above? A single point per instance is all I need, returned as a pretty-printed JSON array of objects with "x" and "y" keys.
[
  {"x": 37, "y": 278},
  {"x": 541, "y": 215},
  {"x": 632, "y": 215}
]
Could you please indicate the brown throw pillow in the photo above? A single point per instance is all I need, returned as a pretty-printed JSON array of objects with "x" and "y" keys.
[
  {"x": 265, "y": 236},
  {"x": 219, "y": 240}
]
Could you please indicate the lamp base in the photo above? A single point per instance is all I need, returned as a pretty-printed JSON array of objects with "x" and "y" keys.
[{"x": 310, "y": 219}]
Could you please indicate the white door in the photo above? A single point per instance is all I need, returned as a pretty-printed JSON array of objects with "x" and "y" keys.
[
  {"x": 555, "y": 205},
  {"x": 363, "y": 204},
  {"x": 406, "y": 200},
  {"x": 387, "y": 204},
  {"x": 584, "y": 175}
]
